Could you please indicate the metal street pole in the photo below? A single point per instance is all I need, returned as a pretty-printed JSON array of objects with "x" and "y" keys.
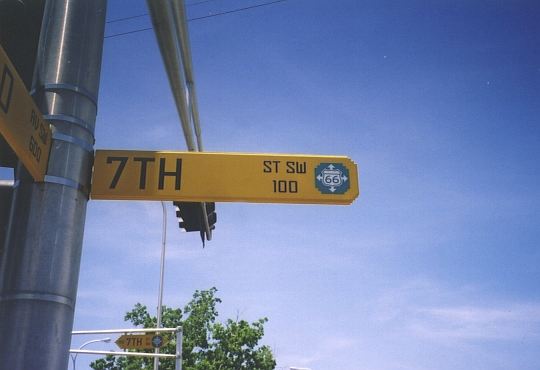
[
  {"x": 40, "y": 266},
  {"x": 179, "y": 347},
  {"x": 161, "y": 276},
  {"x": 74, "y": 357}
]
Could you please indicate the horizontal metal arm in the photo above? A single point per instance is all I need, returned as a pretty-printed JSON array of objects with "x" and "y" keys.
[
  {"x": 110, "y": 331},
  {"x": 112, "y": 353}
]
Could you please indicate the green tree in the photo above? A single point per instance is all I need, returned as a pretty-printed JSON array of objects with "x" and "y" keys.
[{"x": 207, "y": 344}]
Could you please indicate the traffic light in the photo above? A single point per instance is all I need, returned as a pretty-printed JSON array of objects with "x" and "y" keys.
[
  {"x": 211, "y": 214},
  {"x": 189, "y": 215},
  {"x": 191, "y": 218}
]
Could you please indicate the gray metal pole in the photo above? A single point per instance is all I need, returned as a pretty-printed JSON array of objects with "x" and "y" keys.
[
  {"x": 179, "y": 339},
  {"x": 40, "y": 266},
  {"x": 163, "y": 22},
  {"x": 180, "y": 23}
]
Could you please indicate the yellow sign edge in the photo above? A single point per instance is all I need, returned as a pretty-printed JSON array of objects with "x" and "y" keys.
[{"x": 33, "y": 168}]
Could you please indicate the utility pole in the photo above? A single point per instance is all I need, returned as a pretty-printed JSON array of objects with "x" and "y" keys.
[{"x": 41, "y": 261}]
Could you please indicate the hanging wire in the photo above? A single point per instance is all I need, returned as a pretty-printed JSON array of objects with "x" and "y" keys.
[
  {"x": 189, "y": 20},
  {"x": 195, "y": 3}
]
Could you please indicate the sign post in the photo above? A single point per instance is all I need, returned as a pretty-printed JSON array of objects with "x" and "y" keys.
[
  {"x": 224, "y": 177},
  {"x": 21, "y": 123}
]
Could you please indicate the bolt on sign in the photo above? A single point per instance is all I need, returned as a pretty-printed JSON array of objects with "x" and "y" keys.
[
  {"x": 21, "y": 122},
  {"x": 141, "y": 341},
  {"x": 224, "y": 177}
]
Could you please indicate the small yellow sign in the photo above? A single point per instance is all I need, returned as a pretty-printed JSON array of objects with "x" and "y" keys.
[
  {"x": 21, "y": 122},
  {"x": 224, "y": 177},
  {"x": 141, "y": 341}
]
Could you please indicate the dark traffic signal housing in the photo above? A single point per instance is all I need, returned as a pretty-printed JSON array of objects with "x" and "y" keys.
[{"x": 191, "y": 217}]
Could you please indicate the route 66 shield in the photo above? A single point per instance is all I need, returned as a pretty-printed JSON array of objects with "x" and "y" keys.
[{"x": 332, "y": 178}]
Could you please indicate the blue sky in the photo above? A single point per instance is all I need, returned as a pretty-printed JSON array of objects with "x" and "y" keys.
[{"x": 434, "y": 266}]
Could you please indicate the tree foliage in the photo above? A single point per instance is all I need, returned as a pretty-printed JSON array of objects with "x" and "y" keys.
[{"x": 207, "y": 344}]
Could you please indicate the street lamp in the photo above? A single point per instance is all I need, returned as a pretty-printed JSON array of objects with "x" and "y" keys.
[{"x": 74, "y": 357}]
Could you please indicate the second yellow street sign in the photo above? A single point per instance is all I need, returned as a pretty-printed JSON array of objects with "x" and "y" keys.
[
  {"x": 141, "y": 341},
  {"x": 224, "y": 177}
]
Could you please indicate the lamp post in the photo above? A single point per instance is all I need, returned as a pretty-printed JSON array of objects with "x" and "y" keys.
[
  {"x": 161, "y": 275},
  {"x": 74, "y": 357}
]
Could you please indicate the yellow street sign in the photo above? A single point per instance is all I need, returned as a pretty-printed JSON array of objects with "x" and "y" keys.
[
  {"x": 141, "y": 341},
  {"x": 21, "y": 122},
  {"x": 223, "y": 177}
]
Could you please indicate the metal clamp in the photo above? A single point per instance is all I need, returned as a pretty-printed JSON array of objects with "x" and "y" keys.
[
  {"x": 56, "y": 135},
  {"x": 40, "y": 297},
  {"x": 66, "y": 182},
  {"x": 69, "y": 87},
  {"x": 76, "y": 121}
]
